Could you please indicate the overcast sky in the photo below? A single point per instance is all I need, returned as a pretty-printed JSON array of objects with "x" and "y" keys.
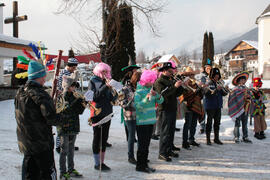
[{"x": 183, "y": 21}]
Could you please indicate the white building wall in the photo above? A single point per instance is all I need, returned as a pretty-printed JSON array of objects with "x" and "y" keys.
[{"x": 263, "y": 42}]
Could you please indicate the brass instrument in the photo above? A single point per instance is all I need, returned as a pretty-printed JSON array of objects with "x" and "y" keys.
[
  {"x": 178, "y": 77},
  {"x": 87, "y": 104},
  {"x": 221, "y": 83},
  {"x": 60, "y": 101}
]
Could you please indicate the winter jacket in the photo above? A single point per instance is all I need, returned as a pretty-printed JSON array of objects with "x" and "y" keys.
[
  {"x": 170, "y": 93},
  {"x": 103, "y": 98},
  {"x": 127, "y": 102},
  {"x": 72, "y": 126},
  {"x": 35, "y": 114},
  {"x": 145, "y": 108},
  {"x": 215, "y": 100}
]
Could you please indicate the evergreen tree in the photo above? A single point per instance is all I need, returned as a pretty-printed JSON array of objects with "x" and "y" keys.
[
  {"x": 210, "y": 47},
  {"x": 205, "y": 42},
  {"x": 119, "y": 39}
]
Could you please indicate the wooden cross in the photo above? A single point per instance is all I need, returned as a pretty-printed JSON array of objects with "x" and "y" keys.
[{"x": 15, "y": 19}]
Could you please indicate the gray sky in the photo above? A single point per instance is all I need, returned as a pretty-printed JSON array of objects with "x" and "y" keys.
[{"x": 183, "y": 21}]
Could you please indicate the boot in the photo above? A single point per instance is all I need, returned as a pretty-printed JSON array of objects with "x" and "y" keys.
[
  {"x": 262, "y": 134},
  {"x": 216, "y": 140},
  {"x": 258, "y": 136},
  {"x": 142, "y": 162},
  {"x": 208, "y": 141}
]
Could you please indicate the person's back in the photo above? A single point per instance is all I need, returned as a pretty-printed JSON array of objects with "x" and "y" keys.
[{"x": 34, "y": 132}]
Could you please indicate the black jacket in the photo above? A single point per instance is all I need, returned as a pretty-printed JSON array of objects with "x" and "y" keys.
[
  {"x": 72, "y": 126},
  {"x": 103, "y": 98},
  {"x": 35, "y": 114},
  {"x": 169, "y": 95}
]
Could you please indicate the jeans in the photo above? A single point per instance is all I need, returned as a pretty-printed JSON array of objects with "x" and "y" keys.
[
  {"x": 67, "y": 143},
  {"x": 131, "y": 126},
  {"x": 190, "y": 126},
  {"x": 167, "y": 132},
  {"x": 244, "y": 119}
]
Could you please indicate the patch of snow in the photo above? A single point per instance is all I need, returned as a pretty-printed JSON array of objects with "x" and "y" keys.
[{"x": 229, "y": 161}]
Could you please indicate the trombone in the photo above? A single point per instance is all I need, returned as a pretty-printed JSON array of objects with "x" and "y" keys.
[{"x": 221, "y": 84}]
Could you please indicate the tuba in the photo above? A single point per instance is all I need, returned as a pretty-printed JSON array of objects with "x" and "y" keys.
[{"x": 60, "y": 103}]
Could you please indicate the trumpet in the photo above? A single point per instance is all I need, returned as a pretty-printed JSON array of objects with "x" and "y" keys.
[
  {"x": 221, "y": 84},
  {"x": 178, "y": 77},
  {"x": 87, "y": 104}
]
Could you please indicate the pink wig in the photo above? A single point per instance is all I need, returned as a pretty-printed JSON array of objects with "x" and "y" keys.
[
  {"x": 99, "y": 71},
  {"x": 148, "y": 76}
]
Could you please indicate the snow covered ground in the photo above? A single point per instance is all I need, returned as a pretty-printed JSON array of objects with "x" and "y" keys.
[{"x": 230, "y": 161}]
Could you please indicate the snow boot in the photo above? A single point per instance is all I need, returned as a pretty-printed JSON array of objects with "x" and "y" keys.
[
  {"x": 258, "y": 136},
  {"x": 216, "y": 140},
  {"x": 262, "y": 134}
]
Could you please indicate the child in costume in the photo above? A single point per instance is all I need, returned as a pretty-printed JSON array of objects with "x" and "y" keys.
[
  {"x": 69, "y": 131},
  {"x": 145, "y": 99},
  {"x": 239, "y": 103},
  {"x": 258, "y": 111}
]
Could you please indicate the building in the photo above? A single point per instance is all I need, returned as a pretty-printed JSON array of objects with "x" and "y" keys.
[
  {"x": 243, "y": 57},
  {"x": 263, "y": 22}
]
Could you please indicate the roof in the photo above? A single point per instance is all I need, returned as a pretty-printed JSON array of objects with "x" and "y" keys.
[
  {"x": 251, "y": 43},
  {"x": 168, "y": 57},
  {"x": 14, "y": 40},
  {"x": 82, "y": 58},
  {"x": 265, "y": 13}
]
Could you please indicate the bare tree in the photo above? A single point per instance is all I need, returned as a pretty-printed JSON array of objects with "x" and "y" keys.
[
  {"x": 106, "y": 10},
  {"x": 184, "y": 57},
  {"x": 141, "y": 57}
]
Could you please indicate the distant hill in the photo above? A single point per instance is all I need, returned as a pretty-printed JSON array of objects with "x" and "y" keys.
[
  {"x": 227, "y": 45},
  {"x": 220, "y": 45}
]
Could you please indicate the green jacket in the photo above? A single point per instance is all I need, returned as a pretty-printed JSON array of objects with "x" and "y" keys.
[
  {"x": 145, "y": 108},
  {"x": 169, "y": 94}
]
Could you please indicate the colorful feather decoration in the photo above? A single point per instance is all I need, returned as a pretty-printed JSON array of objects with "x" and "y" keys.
[
  {"x": 23, "y": 59},
  {"x": 28, "y": 54},
  {"x": 22, "y": 66},
  {"x": 21, "y": 75},
  {"x": 35, "y": 49}
]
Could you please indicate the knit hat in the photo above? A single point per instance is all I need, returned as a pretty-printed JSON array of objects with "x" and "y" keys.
[
  {"x": 72, "y": 61},
  {"x": 36, "y": 70},
  {"x": 213, "y": 72},
  {"x": 257, "y": 82},
  {"x": 208, "y": 62}
]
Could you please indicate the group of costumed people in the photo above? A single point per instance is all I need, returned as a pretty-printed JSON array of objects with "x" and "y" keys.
[{"x": 150, "y": 101}]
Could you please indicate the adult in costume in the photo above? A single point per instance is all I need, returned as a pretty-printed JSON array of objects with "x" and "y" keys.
[
  {"x": 194, "y": 110},
  {"x": 129, "y": 112},
  {"x": 170, "y": 90},
  {"x": 35, "y": 114},
  {"x": 213, "y": 104},
  {"x": 239, "y": 103},
  {"x": 103, "y": 98}
]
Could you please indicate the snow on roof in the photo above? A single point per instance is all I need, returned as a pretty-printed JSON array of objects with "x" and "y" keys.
[
  {"x": 252, "y": 43},
  {"x": 265, "y": 13},
  {"x": 168, "y": 57},
  {"x": 13, "y": 40}
]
